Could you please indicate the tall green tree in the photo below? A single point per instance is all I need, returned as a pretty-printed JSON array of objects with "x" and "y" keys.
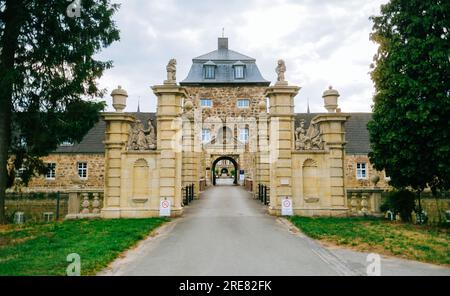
[
  {"x": 48, "y": 74},
  {"x": 409, "y": 132}
]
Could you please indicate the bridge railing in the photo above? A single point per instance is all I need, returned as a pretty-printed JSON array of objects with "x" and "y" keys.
[
  {"x": 85, "y": 203},
  {"x": 364, "y": 201},
  {"x": 263, "y": 194},
  {"x": 188, "y": 194}
]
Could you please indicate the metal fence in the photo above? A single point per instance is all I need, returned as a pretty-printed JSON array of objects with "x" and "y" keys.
[
  {"x": 188, "y": 194},
  {"x": 263, "y": 194}
]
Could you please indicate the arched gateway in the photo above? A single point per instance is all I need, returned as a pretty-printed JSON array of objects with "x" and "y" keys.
[
  {"x": 220, "y": 112},
  {"x": 233, "y": 161}
]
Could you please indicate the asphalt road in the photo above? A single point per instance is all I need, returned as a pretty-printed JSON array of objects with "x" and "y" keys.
[{"x": 226, "y": 232}]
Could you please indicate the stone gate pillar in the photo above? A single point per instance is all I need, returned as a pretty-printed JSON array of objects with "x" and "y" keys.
[
  {"x": 190, "y": 157},
  {"x": 117, "y": 128},
  {"x": 263, "y": 164},
  {"x": 332, "y": 126},
  {"x": 281, "y": 126},
  {"x": 169, "y": 141}
]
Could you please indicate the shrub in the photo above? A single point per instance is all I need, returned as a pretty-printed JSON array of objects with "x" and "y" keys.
[{"x": 400, "y": 202}]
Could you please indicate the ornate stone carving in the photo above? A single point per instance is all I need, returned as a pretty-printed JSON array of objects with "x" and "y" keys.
[
  {"x": 85, "y": 204},
  {"x": 375, "y": 179},
  {"x": 308, "y": 140},
  {"x": 364, "y": 204},
  {"x": 280, "y": 70},
  {"x": 189, "y": 109},
  {"x": 140, "y": 138},
  {"x": 311, "y": 199},
  {"x": 171, "y": 72},
  {"x": 150, "y": 135},
  {"x": 96, "y": 204}
]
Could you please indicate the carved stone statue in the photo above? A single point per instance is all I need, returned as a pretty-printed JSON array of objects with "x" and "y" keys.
[
  {"x": 137, "y": 140},
  {"x": 188, "y": 109},
  {"x": 171, "y": 72},
  {"x": 316, "y": 137},
  {"x": 150, "y": 135},
  {"x": 300, "y": 136},
  {"x": 140, "y": 138},
  {"x": 280, "y": 70},
  {"x": 310, "y": 140}
]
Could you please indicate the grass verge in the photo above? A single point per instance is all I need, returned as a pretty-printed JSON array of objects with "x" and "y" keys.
[
  {"x": 408, "y": 241},
  {"x": 42, "y": 249}
]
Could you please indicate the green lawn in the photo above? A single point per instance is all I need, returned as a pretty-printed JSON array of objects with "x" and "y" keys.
[
  {"x": 404, "y": 240},
  {"x": 42, "y": 249}
]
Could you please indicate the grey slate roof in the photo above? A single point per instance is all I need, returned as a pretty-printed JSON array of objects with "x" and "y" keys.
[
  {"x": 93, "y": 140},
  {"x": 224, "y": 59},
  {"x": 356, "y": 133},
  {"x": 223, "y": 55}
]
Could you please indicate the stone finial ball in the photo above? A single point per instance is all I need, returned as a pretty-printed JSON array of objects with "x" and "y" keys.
[
  {"x": 330, "y": 92},
  {"x": 188, "y": 105},
  {"x": 375, "y": 179},
  {"x": 262, "y": 105}
]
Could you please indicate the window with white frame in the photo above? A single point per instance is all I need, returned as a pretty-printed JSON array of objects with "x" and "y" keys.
[
  {"x": 66, "y": 144},
  {"x": 207, "y": 103},
  {"x": 243, "y": 134},
  {"x": 83, "y": 170},
  {"x": 243, "y": 103},
  {"x": 239, "y": 72},
  {"x": 206, "y": 135},
  {"x": 210, "y": 72},
  {"x": 361, "y": 170},
  {"x": 51, "y": 171}
]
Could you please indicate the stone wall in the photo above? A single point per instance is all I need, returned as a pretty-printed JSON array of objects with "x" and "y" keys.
[
  {"x": 67, "y": 173},
  {"x": 34, "y": 208},
  {"x": 66, "y": 169},
  {"x": 225, "y": 112},
  {"x": 224, "y": 99},
  {"x": 350, "y": 173}
]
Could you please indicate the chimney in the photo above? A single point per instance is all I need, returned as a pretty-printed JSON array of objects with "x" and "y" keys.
[{"x": 223, "y": 43}]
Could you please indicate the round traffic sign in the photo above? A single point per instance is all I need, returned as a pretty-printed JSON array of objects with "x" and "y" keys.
[
  {"x": 286, "y": 203},
  {"x": 165, "y": 204}
]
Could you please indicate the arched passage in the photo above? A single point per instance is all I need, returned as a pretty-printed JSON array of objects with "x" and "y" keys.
[{"x": 233, "y": 161}]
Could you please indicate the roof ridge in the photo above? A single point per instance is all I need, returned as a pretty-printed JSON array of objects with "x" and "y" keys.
[{"x": 210, "y": 56}]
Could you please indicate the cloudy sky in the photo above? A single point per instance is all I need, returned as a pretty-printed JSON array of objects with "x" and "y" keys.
[{"x": 324, "y": 42}]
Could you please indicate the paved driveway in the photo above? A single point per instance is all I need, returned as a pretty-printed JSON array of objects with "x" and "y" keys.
[{"x": 228, "y": 233}]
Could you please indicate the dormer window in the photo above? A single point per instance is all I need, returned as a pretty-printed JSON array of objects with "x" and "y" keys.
[
  {"x": 239, "y": 72},
  {"x": 239, "y": 69},
  {"x": 210, "y": 70}
]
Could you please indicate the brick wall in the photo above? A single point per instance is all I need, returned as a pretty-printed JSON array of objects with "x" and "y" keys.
[
  {"x": 225, "y": 108},
  {"x": 350, "y": 173},
  {"x": 67, "y": 173},
  {"x": 225, "y": 98}
]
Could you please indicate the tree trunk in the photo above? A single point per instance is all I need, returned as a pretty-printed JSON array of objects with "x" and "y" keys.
[{"x": 12, "y": 18}]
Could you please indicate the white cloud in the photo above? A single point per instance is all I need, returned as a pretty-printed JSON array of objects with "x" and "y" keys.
[{"x": 323, "y": 42}]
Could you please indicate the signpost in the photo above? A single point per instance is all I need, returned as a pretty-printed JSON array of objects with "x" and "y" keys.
[
  {"x": 164, "y": 207},
  {"x": 286, "y": 207},
  {"x": 241, "y": 175}
]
